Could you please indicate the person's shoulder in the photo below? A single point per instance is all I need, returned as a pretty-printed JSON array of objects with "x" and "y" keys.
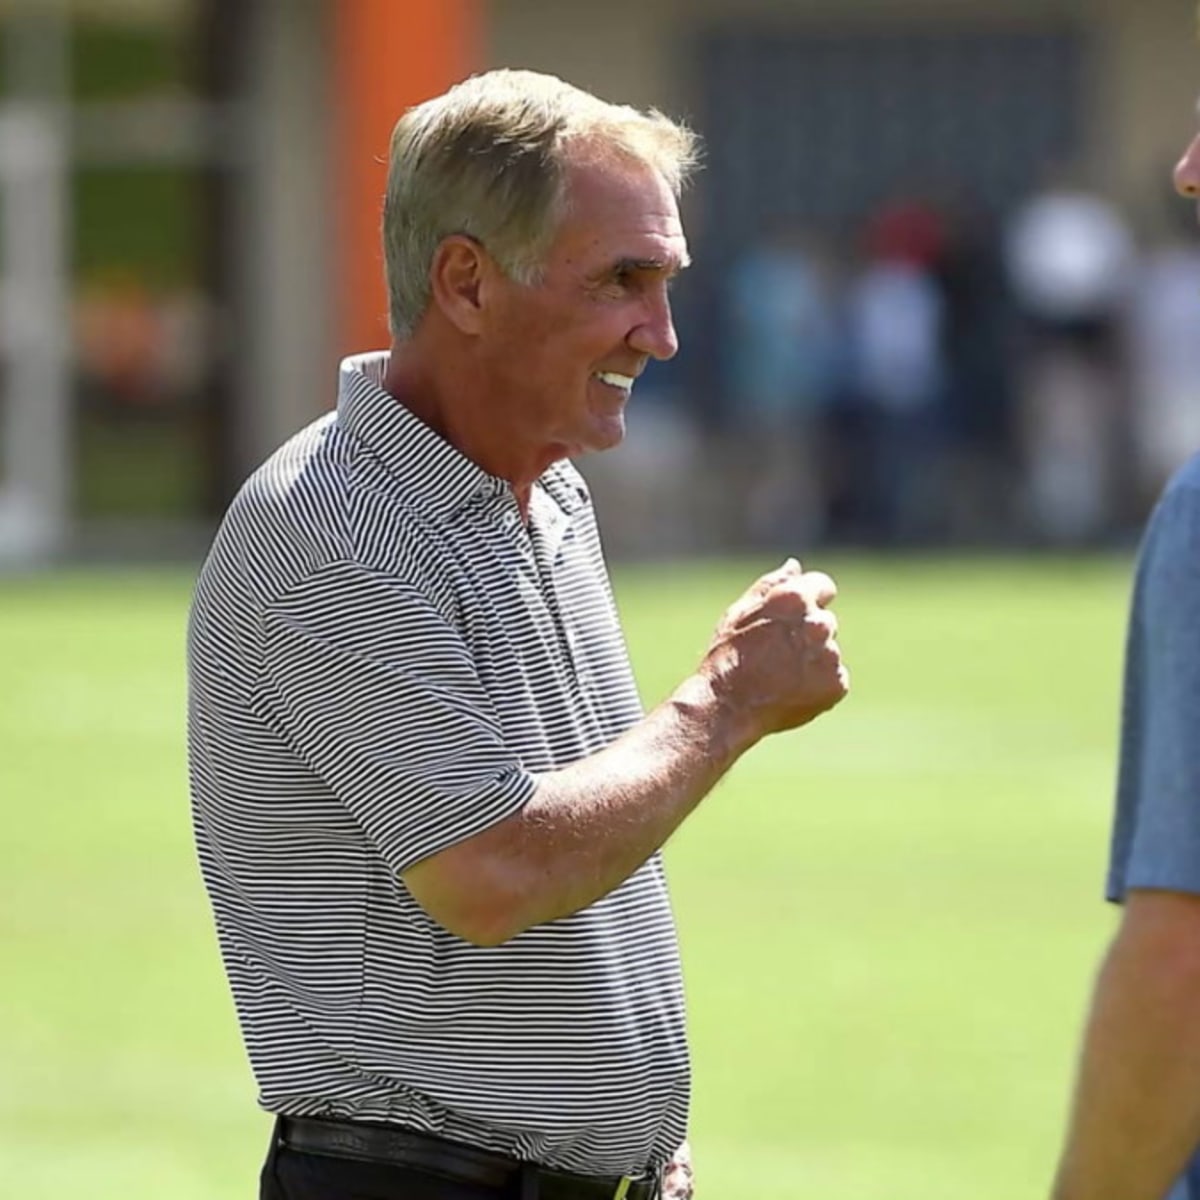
[
  {"x": 1179, "y": 504},
  {"x": 1170, "y": 549},
  {"x": 291, "y": 517},
  {"x": 1186, "y": 478},
  {"x": 301, "y": 488}
]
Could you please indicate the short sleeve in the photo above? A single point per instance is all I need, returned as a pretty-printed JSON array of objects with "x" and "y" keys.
[
  {"x": 377, "y": 693},
  {"x": 1156, "y": 836}
]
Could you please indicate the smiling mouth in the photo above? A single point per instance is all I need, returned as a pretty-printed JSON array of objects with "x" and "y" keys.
[{"x": 622, "y": 383}]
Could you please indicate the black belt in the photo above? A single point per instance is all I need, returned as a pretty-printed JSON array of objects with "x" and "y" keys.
[{"x": 420, "y": 1151}]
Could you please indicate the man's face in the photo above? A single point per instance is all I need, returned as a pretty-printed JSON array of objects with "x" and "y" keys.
[{"x": 563, "y": 353}]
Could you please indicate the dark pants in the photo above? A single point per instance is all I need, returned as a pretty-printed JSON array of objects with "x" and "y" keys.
[{"x": 290, "y": 1175}]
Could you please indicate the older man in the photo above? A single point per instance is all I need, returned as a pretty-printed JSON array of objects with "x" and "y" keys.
[
  {"x": 428, "y": 805},
  {"x": 1136, "y": 1117}
]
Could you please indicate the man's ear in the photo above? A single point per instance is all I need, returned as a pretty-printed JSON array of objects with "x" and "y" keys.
[{"x": 456, "y": 278}]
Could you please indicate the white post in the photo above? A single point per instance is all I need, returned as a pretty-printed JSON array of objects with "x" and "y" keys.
[
  {"x": 35, "y": 336},
  {"x": 35, "y": 328}
]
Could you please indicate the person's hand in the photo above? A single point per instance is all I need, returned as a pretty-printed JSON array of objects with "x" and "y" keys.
[
  {"x": 774, "y": 657},
  {"x": 678, "y": 1179}
]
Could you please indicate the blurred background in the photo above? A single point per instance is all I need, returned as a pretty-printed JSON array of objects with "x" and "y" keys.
[
  {"x": 942, "y": 331},
  {"x": 942, "y": 294}
]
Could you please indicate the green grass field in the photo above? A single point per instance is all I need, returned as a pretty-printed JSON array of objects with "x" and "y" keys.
[{"x": 889, "y": 920}]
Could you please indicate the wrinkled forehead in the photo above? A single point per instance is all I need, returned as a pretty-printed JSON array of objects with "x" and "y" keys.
[{"x": 622, "y": 207}]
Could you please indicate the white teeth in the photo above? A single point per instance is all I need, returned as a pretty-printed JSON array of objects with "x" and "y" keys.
[{"x": 624, "y": 382}]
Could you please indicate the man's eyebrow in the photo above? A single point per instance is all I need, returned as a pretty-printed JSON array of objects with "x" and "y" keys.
[{"x": 672, "y": 266}]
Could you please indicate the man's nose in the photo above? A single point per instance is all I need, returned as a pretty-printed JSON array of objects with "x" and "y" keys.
[
  {"x": 656, "y": 335},
  {"x": 1187, "y": 171}
]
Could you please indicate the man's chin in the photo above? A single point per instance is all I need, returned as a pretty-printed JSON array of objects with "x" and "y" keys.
[
  {"x": 608, "y": 433},
  {"x": 605, "y": 434}
]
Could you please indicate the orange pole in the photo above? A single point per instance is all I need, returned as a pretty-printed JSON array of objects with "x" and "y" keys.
[{"x": 388, "y": 55}]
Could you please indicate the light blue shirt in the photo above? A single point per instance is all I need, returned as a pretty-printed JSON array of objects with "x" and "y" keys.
[{"x": 1156, "y": 836}]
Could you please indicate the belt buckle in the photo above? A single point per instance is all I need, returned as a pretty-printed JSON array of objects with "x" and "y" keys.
[{"x": 623, "y": 1186}]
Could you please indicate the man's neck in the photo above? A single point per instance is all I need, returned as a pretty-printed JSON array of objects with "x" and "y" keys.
[{"x": 452, "y": 410}]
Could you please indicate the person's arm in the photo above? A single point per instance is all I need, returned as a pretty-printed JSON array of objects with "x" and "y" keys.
[
  {"x": 1136, "y": 1113},
  {"x": 773, "y": 665}
]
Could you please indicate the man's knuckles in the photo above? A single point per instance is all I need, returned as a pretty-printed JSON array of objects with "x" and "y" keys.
[
  {"x": 817, "y": 588},
  {"x": 813, "y": 590}
]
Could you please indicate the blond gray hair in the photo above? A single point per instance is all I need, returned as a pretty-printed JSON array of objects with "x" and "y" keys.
[{"x": 489, "y": 159}]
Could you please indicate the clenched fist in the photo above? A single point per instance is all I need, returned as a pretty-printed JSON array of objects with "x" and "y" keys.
[{"x": 774, "y": 658}]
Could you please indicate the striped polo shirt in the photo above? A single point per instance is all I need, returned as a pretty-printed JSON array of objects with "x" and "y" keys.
[{"x": 383, "y": 656}]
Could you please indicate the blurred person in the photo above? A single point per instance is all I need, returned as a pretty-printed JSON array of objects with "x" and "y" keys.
[
  {"x": 138, "y": 349},
  {"x": 1164, "y": 317},
  {"x": 781, "y": 360},
  {"x": 895, "y": 312},
  {"x": 120, "y": 342},
  {"x": 428, "y": 806},
  {"x": 1069, "y": 259},
  {"x": 976, "y": 334},
  {"x": 1135, "y": 1121}
]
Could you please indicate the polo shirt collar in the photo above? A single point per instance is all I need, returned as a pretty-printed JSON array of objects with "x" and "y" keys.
[{"x": 424, "y": 463}]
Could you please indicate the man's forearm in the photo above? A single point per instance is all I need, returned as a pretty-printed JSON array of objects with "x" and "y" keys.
[
  {"x": 1136, "y": 1113},
  {"x": 589, "y": 826}
]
